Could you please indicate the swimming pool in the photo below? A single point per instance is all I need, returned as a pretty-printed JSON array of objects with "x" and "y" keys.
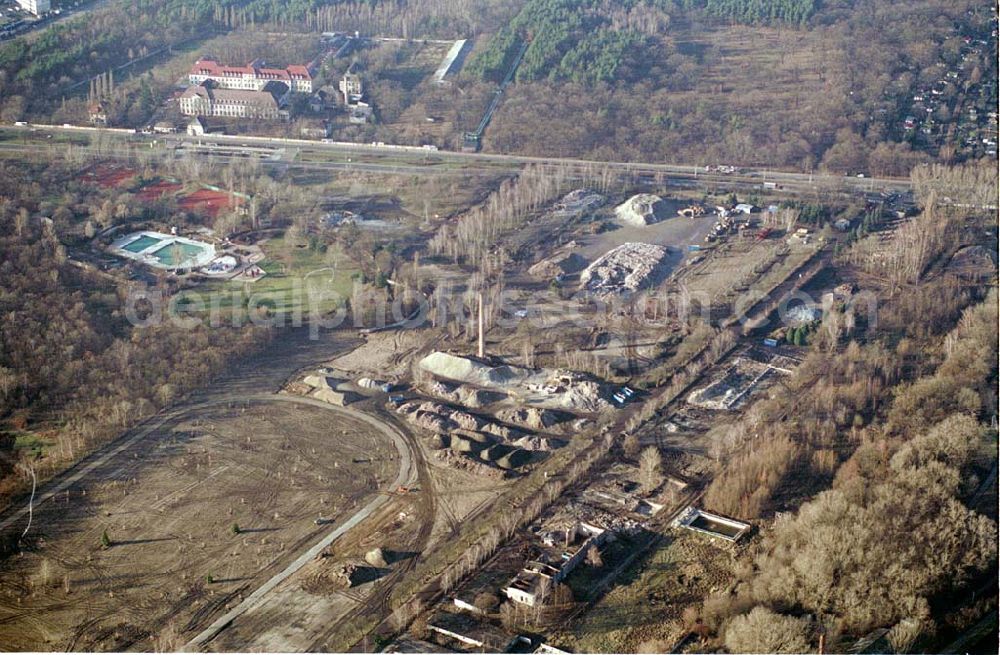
[
  {"x": 166, "y": 251},
  {"x": 180, "y": 253},
  {"x": 142, "y": 243}
]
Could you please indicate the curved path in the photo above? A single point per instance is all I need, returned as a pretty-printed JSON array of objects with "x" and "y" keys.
[{"x": 406, "y": 476}]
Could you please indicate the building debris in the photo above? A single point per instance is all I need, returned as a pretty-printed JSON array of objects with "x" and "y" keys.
[
  {"x": 547, "y": 388},
  {"x": 742, "y": 376},
  {"x": 339, "y": 398},
  {"x": 623, "y": 270},
  {"x": 559, "y": 552},
  {"x": 562, "y": 262}
]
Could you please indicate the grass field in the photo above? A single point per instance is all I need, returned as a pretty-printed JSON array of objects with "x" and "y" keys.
[{"x": 298, "y": 279}]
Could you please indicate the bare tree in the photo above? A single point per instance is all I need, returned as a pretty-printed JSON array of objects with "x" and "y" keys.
[{"x": 650, "y": 469}]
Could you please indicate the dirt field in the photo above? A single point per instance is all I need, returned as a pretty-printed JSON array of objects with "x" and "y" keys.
[
  {"x": 384, "y": 355},
  {"x": 170, "y": 504},
  {"x": 460, "y": 496},
  {"x": 313, "y": 610}
]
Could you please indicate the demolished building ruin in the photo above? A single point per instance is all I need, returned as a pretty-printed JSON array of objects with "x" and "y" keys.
[{"x": 623, "y": 270}]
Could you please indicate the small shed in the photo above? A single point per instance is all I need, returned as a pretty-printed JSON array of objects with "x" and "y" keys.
[{"x": 165, "y": 127}]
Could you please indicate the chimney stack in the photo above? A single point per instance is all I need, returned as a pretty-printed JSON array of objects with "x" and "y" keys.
[{"x": 482, "y": 338}]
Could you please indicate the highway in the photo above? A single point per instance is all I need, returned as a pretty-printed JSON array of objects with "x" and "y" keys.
[{"x": 424, "y": 161}]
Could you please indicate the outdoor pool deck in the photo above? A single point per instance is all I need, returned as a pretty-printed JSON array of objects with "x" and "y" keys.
[{"x": 163, "y": 251}]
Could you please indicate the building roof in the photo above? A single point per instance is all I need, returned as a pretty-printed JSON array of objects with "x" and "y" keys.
[
  {"x": 269, "y": 96},
  {"x": 213, "y": 68}
]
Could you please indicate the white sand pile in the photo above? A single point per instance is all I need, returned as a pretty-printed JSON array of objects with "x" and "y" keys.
[{"x": 641, "y": 210}]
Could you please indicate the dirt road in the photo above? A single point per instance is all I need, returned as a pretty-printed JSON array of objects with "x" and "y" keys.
[
  {"x": 406, "y": 476},
  {"x": 187, "y": 462}
]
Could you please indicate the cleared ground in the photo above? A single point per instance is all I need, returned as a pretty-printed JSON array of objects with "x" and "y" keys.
[
  {"x": 169, "y": 503},
  {"x": 674, "y": 232}
]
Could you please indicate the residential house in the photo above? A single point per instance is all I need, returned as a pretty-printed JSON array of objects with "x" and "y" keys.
[{"x": 98, "y": 114}]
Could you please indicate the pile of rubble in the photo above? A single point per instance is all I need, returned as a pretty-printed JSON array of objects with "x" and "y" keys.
[
  {"x": 563, "y": 262},
  {"x": 536, "y": 443},
  {"x": 729, "y": 391},
  {"x": 641, "y": 210},
  {"x": 533, "y": 418},
  {"x": 579, "y": 201},
  {"x": 548, "y": 388},
  {"x": 439, "y": 419},
  {"x": 460, "y": 461},
  {"x": 623, "y": 270},
  {"x": 329, "y": 389},
  {"x": 616, "y": 522},
  {"x": 463, "y": 394}
]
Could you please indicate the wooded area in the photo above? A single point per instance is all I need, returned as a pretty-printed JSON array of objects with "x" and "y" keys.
[
  {"x": 74, "y": 372},
  {"x": 830, "y": 94},
  {"x": 879, "y": 449}
]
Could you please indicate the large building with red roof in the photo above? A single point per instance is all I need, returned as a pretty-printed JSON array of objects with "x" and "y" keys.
[
  {"x": 251, "y": 77},
  {"x": 208, "y": 99}
]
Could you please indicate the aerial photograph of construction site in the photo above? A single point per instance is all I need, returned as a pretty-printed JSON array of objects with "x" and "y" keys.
[{"x": 511, "y": 326}]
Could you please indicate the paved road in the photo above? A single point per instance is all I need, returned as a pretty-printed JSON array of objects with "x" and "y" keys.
[
  {"x": 407, "y": 475},
  {"x": 408, "y": 159},
  {"x": 68, "y": 12}
]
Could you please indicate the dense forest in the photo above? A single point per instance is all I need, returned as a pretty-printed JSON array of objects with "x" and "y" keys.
[
  {"x": 586, "y": 41},
  {"x": 568, "y": 39},
  {"x": 757, "y": 11}
]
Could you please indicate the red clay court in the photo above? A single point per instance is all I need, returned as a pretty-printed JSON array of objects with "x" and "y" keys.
[
  {"x": 208, "y": 201},
  {"x": 156, "y": 190},
  {"x": 107, "y": 176}
]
